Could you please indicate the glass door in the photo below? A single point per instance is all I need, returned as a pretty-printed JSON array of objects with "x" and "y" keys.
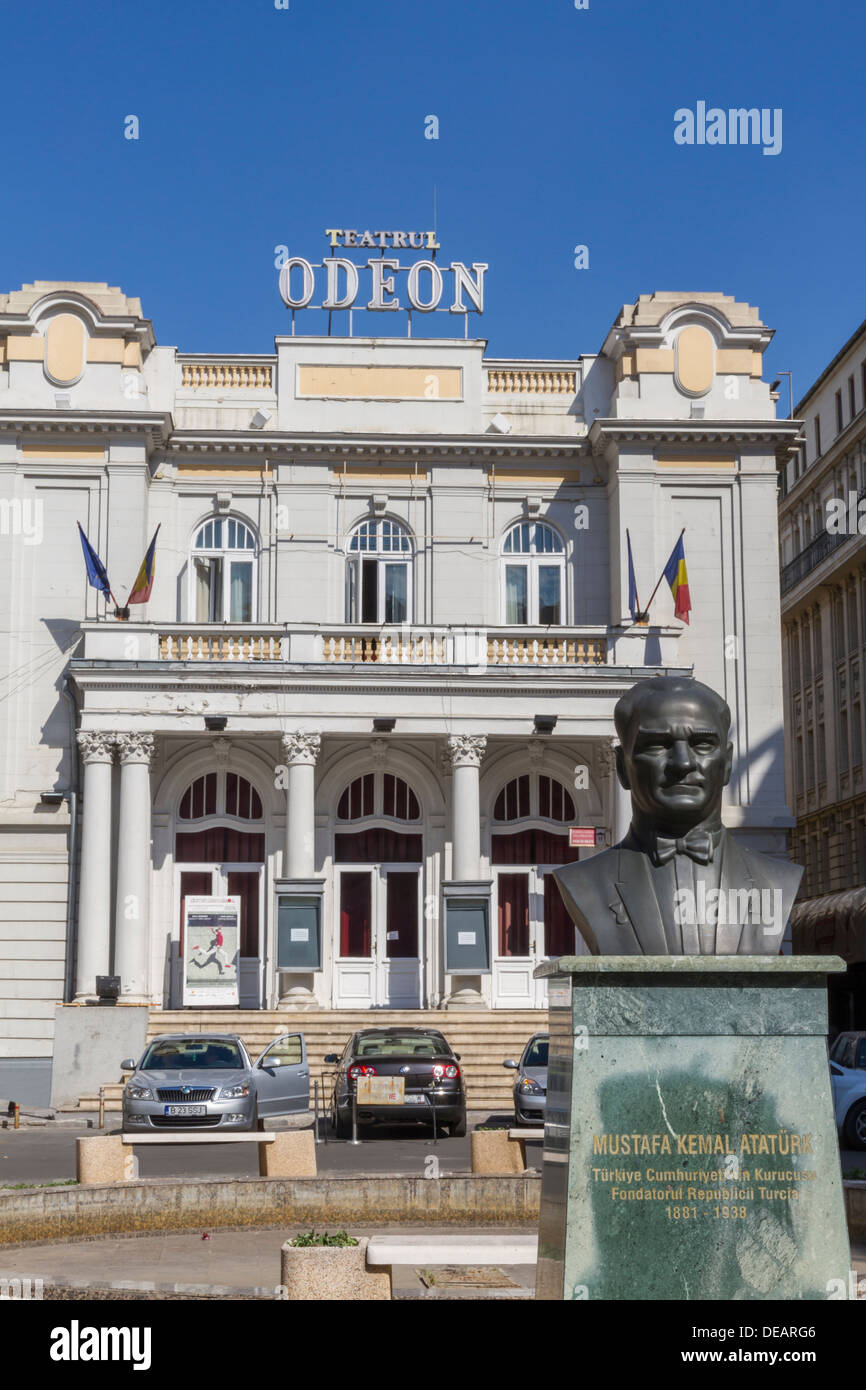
[
  {"x": 533, "y": 926},
  {"x": 378, "y": 961}
]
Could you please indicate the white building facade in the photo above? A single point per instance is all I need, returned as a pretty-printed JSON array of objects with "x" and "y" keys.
[{"x": 372, "y": 689}]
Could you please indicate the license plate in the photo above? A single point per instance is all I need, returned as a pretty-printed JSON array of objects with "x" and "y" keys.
[
  {"x": 183, "y": 1110},
  {"x": 415, "y": 1100}
]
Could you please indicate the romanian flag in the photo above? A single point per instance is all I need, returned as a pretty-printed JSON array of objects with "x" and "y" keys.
[
  {"x": 144, "y": 579},
  {"x": 677, "y": 576}
]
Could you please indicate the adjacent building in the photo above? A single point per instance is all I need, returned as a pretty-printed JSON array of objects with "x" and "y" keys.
[
  {"x": 822, "y": 533},
  {"x": 371, "y": 693}
]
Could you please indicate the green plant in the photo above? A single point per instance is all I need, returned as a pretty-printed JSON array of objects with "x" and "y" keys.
[
  {"x": 322, "y": 1238},
  {"x": 56, "y": 1182},
  {"x": 857, "y": 1174}
]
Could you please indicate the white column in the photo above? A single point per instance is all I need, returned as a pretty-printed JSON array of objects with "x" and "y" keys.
[
  {"x": 94, "y": 896},
  {"x": 301, "y": 752},
  {"x": 131, "y": 920},
  {"x": 466, "y": 752}
]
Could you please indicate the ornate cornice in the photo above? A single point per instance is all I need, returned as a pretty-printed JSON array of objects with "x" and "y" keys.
[{"x": 781, "y": 434}]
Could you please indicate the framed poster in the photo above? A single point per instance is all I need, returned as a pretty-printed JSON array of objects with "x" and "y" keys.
[{"x": 211, "y": 948}]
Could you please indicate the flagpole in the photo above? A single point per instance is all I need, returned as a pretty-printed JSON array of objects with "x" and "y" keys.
[
  {"x": 636, "y": 595},
  {"x": 662, "y": 575}
]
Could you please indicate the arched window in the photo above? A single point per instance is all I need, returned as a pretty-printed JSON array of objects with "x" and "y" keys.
[
  {"x": 379, "y": 573},
  {"x": 533, "y": 581},
  {"x": 223, "y": 572},
  {"x": 539, "y": 796},
  {"x": 234, "y": 796},
  {"x": 394, "y": 799}
]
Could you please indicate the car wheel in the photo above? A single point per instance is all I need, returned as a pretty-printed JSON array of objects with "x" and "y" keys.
[
  {"x": 457, "y": 1128},
  {"x": 342, "y": 1126},
  {"x": 855, "y": 1126}
]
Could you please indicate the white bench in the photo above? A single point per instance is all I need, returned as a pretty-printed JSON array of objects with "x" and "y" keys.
[
  {"x": 452, "y": 1250},
  {"x": 198, "y": 1137},
  {"x": 526, "y": 1134}
]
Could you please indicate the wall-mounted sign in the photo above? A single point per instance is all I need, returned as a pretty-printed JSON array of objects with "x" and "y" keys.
[
  {"x": 341, "y": 288},
  {"x": 210, "y": 957},
  {"x": 299, "y": 930},
  {"x": 584, "y": 835}
]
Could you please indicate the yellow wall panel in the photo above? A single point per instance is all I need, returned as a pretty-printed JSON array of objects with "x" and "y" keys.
[
  {"x": 382, "y": 383},
  {"x": 65, "y": 349}
]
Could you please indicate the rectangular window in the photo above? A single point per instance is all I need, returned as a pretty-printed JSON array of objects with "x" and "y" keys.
[
  {"x": 515, "y": 594},
  {"x": 208, "y": 590},
  {"x": 355, "y": 914},
  {"x": 851, "y": 600},
  {"x": 513, "y": 898},
  {"x": 856, "y": 736},
  {"x": 401, "y": 935},
  {"x": 559, "y": 930},
  {"x": 822, "y": 755},
  {"x": 241, "y": 592},
  {"x": 852, "y": 403},
  {"x": 369, "y": 591},
  {"x": 838, "y": 412},
  {"x": 817, "y": 436},
  {"x": 863, "y": 382},
  {"x": 351, "y": 593},
  {"x": 396, "y": 606},
  {"x": 548, "y": 594},
  {"x": 843, "y": 740},
  {"x": 810, "y": 760}
]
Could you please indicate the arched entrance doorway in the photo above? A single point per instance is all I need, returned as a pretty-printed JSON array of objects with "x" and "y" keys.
[
  {"x": 378, "y": 859},
  {"x": 528, "y": 841},
  {"x": 219, "y": 850}
]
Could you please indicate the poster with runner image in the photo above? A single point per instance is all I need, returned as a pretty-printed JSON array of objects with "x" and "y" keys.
[{"x": 210, "y": 950}]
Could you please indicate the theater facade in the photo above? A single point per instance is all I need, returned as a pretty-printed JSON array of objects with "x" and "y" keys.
[{"x": 371, "y": 693}]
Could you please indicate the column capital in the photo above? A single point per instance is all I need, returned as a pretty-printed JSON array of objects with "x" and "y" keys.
[
  {"x": 135, "y": 748},
  {"x": 605, "y": 759},
  {"x": 96, "y": 747},
  {"x": 466, "y": 750},
  {"x": 301, "y": 748}
]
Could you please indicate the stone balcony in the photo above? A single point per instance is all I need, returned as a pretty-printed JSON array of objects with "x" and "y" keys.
[{"x": 335, "y": 645}]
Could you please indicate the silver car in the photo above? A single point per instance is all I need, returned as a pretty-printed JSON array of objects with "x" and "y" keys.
[
  {"x": 530, "y": 1086},
  {"x": 201, "y": 1081}
]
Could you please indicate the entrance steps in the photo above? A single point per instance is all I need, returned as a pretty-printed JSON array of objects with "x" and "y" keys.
[{"x": 483, "y": 1038}]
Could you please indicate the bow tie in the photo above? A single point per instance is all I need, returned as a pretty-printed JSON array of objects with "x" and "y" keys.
[{"x": 698, "y": 845}]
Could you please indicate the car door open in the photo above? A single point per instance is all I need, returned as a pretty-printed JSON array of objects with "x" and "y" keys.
[{"x": 282, "y": 1075}]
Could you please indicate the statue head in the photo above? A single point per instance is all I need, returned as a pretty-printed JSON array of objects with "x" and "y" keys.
[{"x": 674, "y": 755}]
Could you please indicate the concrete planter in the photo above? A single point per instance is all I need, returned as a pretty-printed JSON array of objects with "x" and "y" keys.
[
  {"x": 494, "y": 1154},
  {"x": 331, "y": 1273}
]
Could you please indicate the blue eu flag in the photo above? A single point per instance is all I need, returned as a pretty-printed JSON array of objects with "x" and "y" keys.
[{"x": 95, "y": 568}]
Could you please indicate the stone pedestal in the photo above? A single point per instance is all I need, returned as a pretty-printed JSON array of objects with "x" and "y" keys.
[
  {"x": 291, "y": 1155},
  {"x": 690, "y": 1147}
]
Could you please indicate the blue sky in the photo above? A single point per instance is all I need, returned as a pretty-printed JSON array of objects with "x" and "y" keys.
[{"x": 260, "y": 127}]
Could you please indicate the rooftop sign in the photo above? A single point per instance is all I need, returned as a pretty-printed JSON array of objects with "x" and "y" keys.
[{"x": 425, "y": 285}]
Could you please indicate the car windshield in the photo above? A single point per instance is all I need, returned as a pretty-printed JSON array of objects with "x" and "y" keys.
[
  {"x": 401, "y": 1045},
  {"x": 176, "y": 1054},
  {"x": 536, "y": 1053}
]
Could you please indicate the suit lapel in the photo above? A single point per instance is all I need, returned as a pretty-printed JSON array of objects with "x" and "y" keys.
[{"x": 635, "y": 887}]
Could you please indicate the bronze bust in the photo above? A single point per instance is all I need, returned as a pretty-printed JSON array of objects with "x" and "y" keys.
[{"x": 679, "y": 883}]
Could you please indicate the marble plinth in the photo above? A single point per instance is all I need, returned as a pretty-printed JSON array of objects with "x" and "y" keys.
[{"x": 690, "y": 1144}]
